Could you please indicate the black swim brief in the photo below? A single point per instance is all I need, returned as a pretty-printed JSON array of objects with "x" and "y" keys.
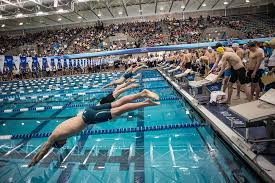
[
  {"x": 97, "y": 114},
  {"x": 107, "y": 99},
  {"x": 257, "y": 77},
  {"x": 239, "y": 74}
]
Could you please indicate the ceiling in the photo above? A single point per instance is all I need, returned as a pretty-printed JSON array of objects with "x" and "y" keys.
[{"x": 27, "y": 14}]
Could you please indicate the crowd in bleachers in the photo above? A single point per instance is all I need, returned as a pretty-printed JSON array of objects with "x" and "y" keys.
[{"x": 144, "y": 34}]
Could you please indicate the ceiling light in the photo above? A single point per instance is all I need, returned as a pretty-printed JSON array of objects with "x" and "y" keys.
[
  {"x": 1, "y": 16},
  {"x": 79, "y": 17},
  {"x": 39, "y": 13},
  {"x": 140, "y": 10},
  {"x": 99, "y": 15},
  {"x": 120, "y": 13},
  {"x": 182, "y": 7},
  {"x": 225, "y": 2},
  {"x": 161, "y": 8},
  {"x": 59, "y": 19},
  {"x": 19, "y": 15},
  {"x": 203, "y": 4},
  {"x": 60, "y": 10},
  {"x": 3, "y": 25},
  {"x": 247, "y": 1},
  {"x": 21, "y": 23}
]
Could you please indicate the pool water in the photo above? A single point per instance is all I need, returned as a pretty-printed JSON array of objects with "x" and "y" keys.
[{"x": 195, "y": 154}]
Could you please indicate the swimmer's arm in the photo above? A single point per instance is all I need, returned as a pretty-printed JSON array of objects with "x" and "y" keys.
[
  {"x": 259, "y": 60},
  {"x": 223, "y": 66},
  {"x": 41, "y": 153},
  {"x": 215, "y": 64}
]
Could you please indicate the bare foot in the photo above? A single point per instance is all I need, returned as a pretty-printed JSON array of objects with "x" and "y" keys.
[
  {"x": 134, "y": 86},
  {"x": 131, "y": 80},
  {"x": 138, "y": 75},
  {"x": 151, "y": 103},
  {"x": 148, "y": 94}
]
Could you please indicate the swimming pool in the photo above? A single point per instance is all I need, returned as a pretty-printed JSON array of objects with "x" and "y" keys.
[{"x": 146, "y": 145}]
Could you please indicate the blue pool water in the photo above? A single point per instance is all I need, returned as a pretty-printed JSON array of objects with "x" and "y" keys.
[{"x": 175, "y": 155}]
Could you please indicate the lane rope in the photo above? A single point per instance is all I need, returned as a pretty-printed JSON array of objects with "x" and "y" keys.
[{"x": 110, "y": 131}]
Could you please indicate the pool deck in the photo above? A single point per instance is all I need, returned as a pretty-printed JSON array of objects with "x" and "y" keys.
[{"x": 263, "y": 165}]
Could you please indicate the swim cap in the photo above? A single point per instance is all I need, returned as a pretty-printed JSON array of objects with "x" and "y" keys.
[
  {"x": 209, "y": 48},
  {"x": 235, "y": 45},
  {"x": 219, "y": 45},
  {"x": 220, "y": 50},
  {"x": 251, "y": 44}
]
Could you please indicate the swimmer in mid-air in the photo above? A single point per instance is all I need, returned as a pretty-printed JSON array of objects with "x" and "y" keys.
[
  {"x": 129, "y": 73},
  {"x": 93, "y": 115}
]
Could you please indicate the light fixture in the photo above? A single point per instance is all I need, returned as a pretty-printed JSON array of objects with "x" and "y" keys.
[
  {"x": 225, "y": 2},
  {"x": 79, "y": 17},
  {"x": 140, "y": 10},
  {"x": 99, "y": 14},
  {"x": 182, "y": 7},
  {"x": 1, "y": 16},
  {"x": 60, "y": 11},
  {"x": 59, "y": 19},
  {"x": 19, "y": 15},
  {"x": 247, "y": 1},
  {"x": 21, "y": 23},
  {"x": 39, "y": 13},
  {"x": 161, "y": 8},
  {"x": 120, "y": 12},
  {"x": 203, "y": 4},
  {"x": 3, "y": 25}
]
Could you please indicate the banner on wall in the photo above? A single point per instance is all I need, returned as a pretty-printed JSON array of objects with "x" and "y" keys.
[
  {"x": 23, "y": 62},
  {"x": 59, "y": 63},
  {"x": 35, "y": 63},
  {"x": 2, "y": 62},
  {"x": 44, "y": 63},
  {"x": 9, "y": 61}
]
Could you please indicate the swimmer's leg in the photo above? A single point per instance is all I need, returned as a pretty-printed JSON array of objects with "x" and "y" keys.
[
  {"x": 127, "y": 99},
  {"x": 115, "y": 82},
  {"x": 125, "y": 84},
  {"x": 225, "y": 83},
  {"x": 116, "y": 93},
  {"x": 229, "y": 93},
  {"x": 117, "y": 111},
  {"x": 238, "y": 90}
]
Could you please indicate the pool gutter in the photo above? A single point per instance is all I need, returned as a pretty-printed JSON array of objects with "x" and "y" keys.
[{"x": 261, "y": 165}]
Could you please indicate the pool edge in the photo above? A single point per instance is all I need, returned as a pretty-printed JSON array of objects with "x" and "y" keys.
[{"x": 232, "y": 138}]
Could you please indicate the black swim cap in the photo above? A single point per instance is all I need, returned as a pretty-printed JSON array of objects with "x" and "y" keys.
[
  {"x": 251, "y": 44},
  {"x": 219, "y": 45}
]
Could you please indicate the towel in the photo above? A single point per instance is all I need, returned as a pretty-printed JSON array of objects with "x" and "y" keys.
[{"x": 216, "y": 96}]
